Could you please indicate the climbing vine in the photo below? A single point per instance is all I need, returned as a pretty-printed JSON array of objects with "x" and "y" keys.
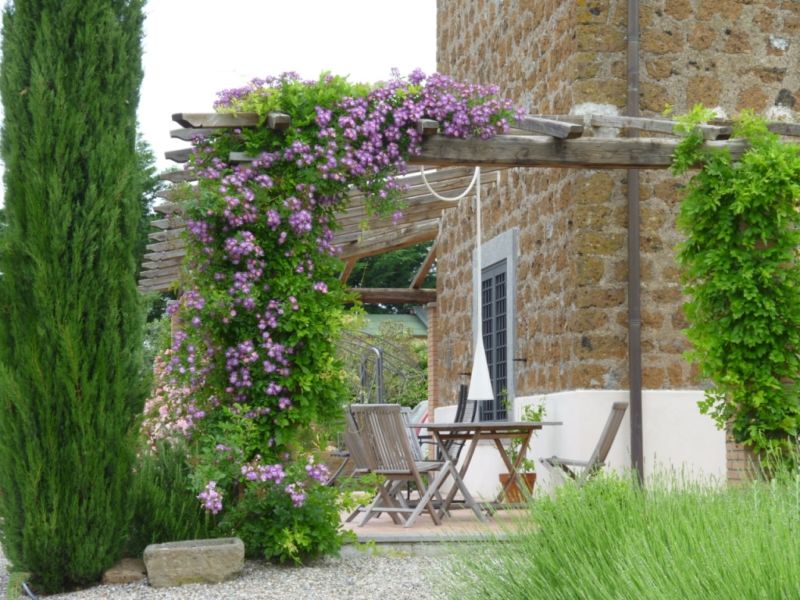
[
  {"x": 252, "y": 364},
  {"x": 742, "y": 274}
]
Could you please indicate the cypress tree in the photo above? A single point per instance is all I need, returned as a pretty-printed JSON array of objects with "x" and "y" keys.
[{"x": 70, "y": 334}]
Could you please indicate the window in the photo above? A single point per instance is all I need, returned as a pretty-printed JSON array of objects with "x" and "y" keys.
[
  {"x": 494, "y": 319},
  {"x": 494, "y": 316}
]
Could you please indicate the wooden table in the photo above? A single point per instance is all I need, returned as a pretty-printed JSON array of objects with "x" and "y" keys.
[{"x": 496, "y": 431}]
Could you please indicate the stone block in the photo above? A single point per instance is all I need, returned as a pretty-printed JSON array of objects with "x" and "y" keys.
[
  {"x": 702, "y": 36},
  {"x": 753, "y": 97},
  {"x": 704, "y": 89},
  {"x": 602, "y": 91},
  {"x": 600, "y": 38},
  {"x": 193, "y": 561},
  {"x": 601, "y": 244},
  {"x": 127, "y": 570},
  {"x": 727, "y": 9},
  {"x": 659, "y": 68},
  {"x": 661, "y": 42},
  {"x": 738, "y": 42},
  {"x": 594, "y": 188},
  {"x": 678, "y": 9},
  {"x": 654, "y": 97}
]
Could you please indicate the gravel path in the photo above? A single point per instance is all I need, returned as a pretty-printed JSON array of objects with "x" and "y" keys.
[{"x": 351, "y": 577}]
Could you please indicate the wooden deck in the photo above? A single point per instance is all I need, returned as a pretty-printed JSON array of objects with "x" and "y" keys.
[{"x": 461, "y": 526}]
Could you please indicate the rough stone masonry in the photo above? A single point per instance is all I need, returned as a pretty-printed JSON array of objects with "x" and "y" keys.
[{"x": 553, "y": 57}]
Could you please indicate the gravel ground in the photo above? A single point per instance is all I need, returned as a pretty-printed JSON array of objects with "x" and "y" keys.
[{"x": 351, "y": 577}]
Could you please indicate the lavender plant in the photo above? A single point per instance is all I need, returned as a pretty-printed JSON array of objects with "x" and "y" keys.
[{"x": 252, "y": 364}]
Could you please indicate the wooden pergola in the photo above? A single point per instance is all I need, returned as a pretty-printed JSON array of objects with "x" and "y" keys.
[
  {"x": 535, "y": 141},
  {"x": 560, "y": 141}
]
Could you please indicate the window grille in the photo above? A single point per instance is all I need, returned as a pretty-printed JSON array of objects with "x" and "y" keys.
[{"x": 495, "y": 338}]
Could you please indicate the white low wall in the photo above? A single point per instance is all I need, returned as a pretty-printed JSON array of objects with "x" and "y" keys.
[{"x": 675, "y": 436}]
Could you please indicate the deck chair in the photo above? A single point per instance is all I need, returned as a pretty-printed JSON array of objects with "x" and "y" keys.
[
  {"x": 357, "y": 455},
  {"x": 597, "y": 460},
  {"x": 345, "y": 453},
  {"x": 388, "y": 494},
  {"x": 390, "y": 454},
  {"x": 466, "y": 412}
]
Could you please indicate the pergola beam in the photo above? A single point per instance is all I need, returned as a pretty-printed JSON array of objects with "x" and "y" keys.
[
  {"x": 425, "y": 267},
  {"x": 395, "y": 295},
  {"x": 216, "y": 120},
  {"x": 347, "y": 269},
  {"x": 396, "y": 239},
  {"x": 541, "y": 151},
  {"x": 544, "y": 126}
]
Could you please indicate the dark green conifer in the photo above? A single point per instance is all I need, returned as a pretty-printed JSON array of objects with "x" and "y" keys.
[{"x": 70, "y": 325}]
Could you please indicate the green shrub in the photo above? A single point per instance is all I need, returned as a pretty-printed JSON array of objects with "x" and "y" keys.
[
  {"x": 165, "y": 508},
  {"x": 274, "y": 527},
  {"x": 610, "y": 540},
  {"x": 741, "y": 271}
]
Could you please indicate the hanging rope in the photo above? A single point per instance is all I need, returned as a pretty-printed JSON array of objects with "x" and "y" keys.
[
  {"x": 480, "y": 387},
  {"x": 476, "y": 178}
]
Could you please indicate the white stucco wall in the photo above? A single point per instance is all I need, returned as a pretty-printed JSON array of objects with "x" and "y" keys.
[{"x": 675, "y": 435}]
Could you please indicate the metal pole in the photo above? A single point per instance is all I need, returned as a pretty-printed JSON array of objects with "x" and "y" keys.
[{"x": 634, "y": 274}]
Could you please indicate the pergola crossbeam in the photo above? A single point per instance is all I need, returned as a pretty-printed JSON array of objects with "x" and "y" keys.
[
  {"x": 393, "y": 239},
  {"x": 395, "y": 295},
  {"x": 425, "y": 267},
  {"x": 347, "y": 269},
  {"x": 653, "y": 125},
  {"x": 162, "y": 284},
  {"x": 552, "y": 127},
  {"x": 561, "y": 141},
  {"x": 167, "y": 234},
  {"x": 171, "y": 245},
  {"x": 216, "y": 120},
  {"x": 159, "y": 255},
  {"x": 173, "y": 222},
  {"x": 178, "y": 176},
  {"x": 152, "y": 265},
  {"x": 188, "y": 134}
]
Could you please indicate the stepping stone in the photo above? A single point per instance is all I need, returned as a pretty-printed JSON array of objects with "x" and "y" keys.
[{"x": 193, "y": 561}]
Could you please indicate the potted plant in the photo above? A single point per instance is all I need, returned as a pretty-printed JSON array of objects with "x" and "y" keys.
[{"x": 527, "y": 466}]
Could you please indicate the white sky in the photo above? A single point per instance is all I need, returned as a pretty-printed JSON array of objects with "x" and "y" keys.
[{"x": 195, "y": 48}]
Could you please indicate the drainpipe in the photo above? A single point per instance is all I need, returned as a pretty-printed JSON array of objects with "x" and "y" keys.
[{"x": 634, "y": 278}]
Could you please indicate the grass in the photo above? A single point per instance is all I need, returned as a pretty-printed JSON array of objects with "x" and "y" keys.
[
  {"x": 612, "y": 540},
  {"x": 165, "y": 507}
]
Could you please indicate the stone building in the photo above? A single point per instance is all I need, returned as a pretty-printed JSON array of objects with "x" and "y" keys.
[{"x": 555, "y": 240}]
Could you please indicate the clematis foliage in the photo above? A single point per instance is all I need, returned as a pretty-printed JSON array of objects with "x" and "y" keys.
[{"x": 252, "y": 365}]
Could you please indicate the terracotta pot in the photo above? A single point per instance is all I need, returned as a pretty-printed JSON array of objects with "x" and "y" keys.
[{"x": 513, "y": 493}]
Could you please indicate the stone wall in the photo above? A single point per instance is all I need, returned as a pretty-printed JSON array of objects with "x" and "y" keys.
[
  {"x": 552, "y": 57},
  {"x": 732, "y": 54},
  {"x": 527, "y": 48}
]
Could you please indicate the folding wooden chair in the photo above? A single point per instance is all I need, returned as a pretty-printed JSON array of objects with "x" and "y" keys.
[
  {"x": 466, "y": 412},
  {"x": 598, "y": 457},
  {"x": 389, "y": 453}
]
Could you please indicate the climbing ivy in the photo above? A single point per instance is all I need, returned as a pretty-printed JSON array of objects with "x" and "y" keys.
[{"x": 742, "y": 275}]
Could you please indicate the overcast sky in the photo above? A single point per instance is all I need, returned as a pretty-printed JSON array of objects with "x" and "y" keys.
[{"x": 194, "y": 48}]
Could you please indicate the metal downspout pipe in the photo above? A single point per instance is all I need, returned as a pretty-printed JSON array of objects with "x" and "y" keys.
[{"x": 634, "y": 234}]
